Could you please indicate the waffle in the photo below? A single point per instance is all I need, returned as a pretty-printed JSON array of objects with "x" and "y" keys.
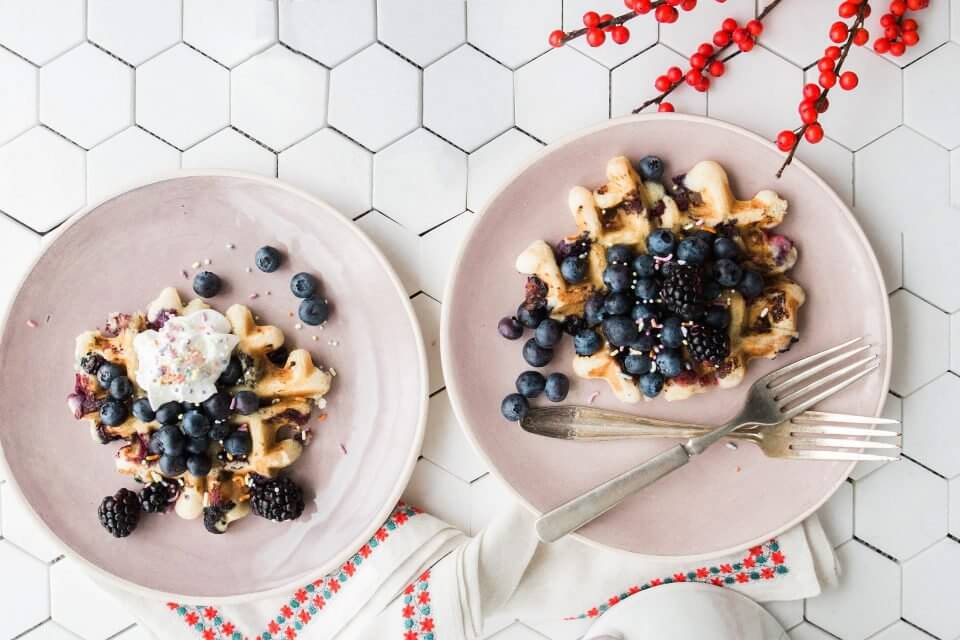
[
  {"x": 626, "y": 210},
  {"x": 278, "y": 429}
]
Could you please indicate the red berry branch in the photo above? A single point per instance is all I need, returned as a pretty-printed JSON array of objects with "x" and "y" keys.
[{"x": 899, "y": 32}]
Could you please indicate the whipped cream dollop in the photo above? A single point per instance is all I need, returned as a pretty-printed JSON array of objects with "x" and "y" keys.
[{"x": 183, "y": 360}]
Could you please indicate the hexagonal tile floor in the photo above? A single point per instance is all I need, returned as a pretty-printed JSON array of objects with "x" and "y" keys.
[{"x": 408, "y": 119}]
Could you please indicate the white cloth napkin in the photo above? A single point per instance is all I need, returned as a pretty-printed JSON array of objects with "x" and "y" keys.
[{"x": 420, "y": 579}]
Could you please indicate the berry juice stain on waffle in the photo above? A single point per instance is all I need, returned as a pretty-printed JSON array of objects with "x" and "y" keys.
[
  {"x": 210, "y": 406},
  {"x": 665, "y": 291}
]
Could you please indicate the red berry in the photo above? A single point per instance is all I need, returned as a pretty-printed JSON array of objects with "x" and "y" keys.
[
  {"x": 674, "y": 3},
  {"x": 755, "y": 27},
  {"x": 721, "y": 38},
  {"x": 786, "y": 140},
  {"x": 891, "y": 32},
  {"x": 832, "y": 52},
  {"x": 897, "y": 49},
  {"x": 675, "y": 74},
  {"x": 898, "y": 7},
  {"x": 556, "y": 38},
  {"x": 630, "y": 4},
  {"x": 808, "y": 113},
  {"x": 703, "y": 85},
  {"x": 729, "y": 24},
  {"x": 595, "y": 37},
  {"x": 881, "y": 45},
  {"x": 746, "y": 44},
  {"x": 740, "y": 34},
  {"x": 908, "y": 24},
  {"x": 606, "y": 18},
  {"x": 861, "y": 37},
  {"x": 822, "y": 104},
  {"x": 620, "y": 34},
  {"x": 827, "y": 79},
  {"x": 662, "y": 83},
  {"x": 825, "y": 64},
  {"x": 716, "y": 68},
  {"x": 591, "y": 19},
  {"x": 814, "y": 133},
  {"x": 705, "y": 49},
  {"x": 848, "y": 80},
  {"x": 887, "y": 20},
  {"x": 917, "y": 5},
  {"x": 666, "y": 14},
  {"x": 693, "y": 77},
  {"x": 698, "y": 61},
  {"x": 910, "y": 38},
  {"x": 839, "y": 31},
  {"x": 665, "y": 107},
  {"x": 688, "y": 5},
  {"x": 847, "y": 10},
  {"x": 642, "y": 6},
  {"x": 867, "y": 11},
  {"x": 811, "y": 91}
]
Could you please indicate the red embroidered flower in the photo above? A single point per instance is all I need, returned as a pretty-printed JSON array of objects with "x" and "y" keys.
[
  {"x": 286, "y": 611},
  {"x": 749, "y": 563},
  {"x": 365, "y": 551},
  {"x": 304, "y": 616},
  {"x": 767, "y": 573},
  {"x": 400, "y": 518},
  {"x": 410, "y": 635},
  {"x": 301, "y": 595},
  {"x": 717, "y": 582},
  {"x": 349, "y": 569},
  {"x": 426, "y": 625},
  {"x": 424, "y": 577},
  {"x": 702, "y": 572},
  {"x": 593, "y": 613},
  {"x": 756, "y": 551},
  {"x": 726, "y": 568},
  {"x": 381, "y": 534},
  {"x": 614, "y": 600},
  {"x": 318, "y": 583},
  {"x": 423, "y": 597},
  {"x": 679, "y": 577},
  {"x": 408, "y": 590},
  {"x": 656, "y": 582},
  {"x": 209, "y": 613},
  {"x": 333, "y": 585},
  {"x": 228, "y": 628},
  {"x": 777, "y": 557},
  {"x": 192, "y": 618},
  {"x": 290, "y": 633},
  {"x": 208, "y": 634},
  {"x": 408, "y": 611},
  {"x": 742, "y": 577},
  {"x": 172, "y": 606},
  {"x": 273, "y": 627},
  {"x": 634, "y": 589},
  {"x": 319, "y": 602}
]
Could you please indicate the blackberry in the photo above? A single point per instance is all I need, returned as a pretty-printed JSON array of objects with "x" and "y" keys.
[
  {"x": 91, "y": 362},
  {"x": 215, "y": 517},
  {"x": 708, "y": 344},
  {"x": 120, "y": 513},
  {"x": 682, "y": 291},
  {"x": 156, "y": 497},
  {"x": 278, "y": 499},
  {"x": 572, "y": 325}
]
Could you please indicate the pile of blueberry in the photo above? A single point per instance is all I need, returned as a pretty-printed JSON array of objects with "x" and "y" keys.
[{"x": 538, "y": 352}]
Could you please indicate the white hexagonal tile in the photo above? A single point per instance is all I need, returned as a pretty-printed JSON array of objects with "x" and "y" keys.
[
  {"x": 332, "y": 168},
  {"x": 933, "y": 27},
  {"x": 18, "y": 95},
  {"x": 420, "y": 181},
  {"x": 41, "y": 178},
  {"x": 955, "y": 342},
  {"x": 807, "y": 631},
  {"x": 517, "y": 631},
  {"x": 229, "y": 31},
  {"x": 489, "y": 497},
  {"x": 512, "y": 32},
  {"x": 40, "y": 30},
  {"x": 307, "y": 27},
  {"x": 803, "y": 46},
  {"x": 428, "y": 314},
  {"x": 893, "y": 409},
  {"x": 183, "y": 96},
  {"x": 867, "y": 598},
  {"x": 134, "y": 30},
  {"x": 763, "y": 107},
  {"x": 19, "y": 247},
  {"x": 438, "y": 249},
  {"x": 361, "y": 86},
  {"x": 128, "y": 159},
  {"x": 421, "y": 31},
  {"x": 929, "y": 591},
  {"x": 789, "y": 613},
  {"x": 955, "y": 177},
  {"x": 690, "y": 29},
  {"x": 467, "y": 98},
  {"x": 880, "y": 93},
  {"x": 954, "y": 507},
  {"x": 643, "y": 31},
  {"x": 836, "y": 515},
  {"x": 446, "y": 445},
  {"x": 632, "y": 84},
  {"x": 83, "y": 606},
  {"x": 931, "y": 96},
  {"x": 833, "y": 163},
  {"x": 400, "y": 245},
  {"x": 86, "y": 95},
  {"x": 26, "y": 600},
  {"x": 546, "y": 108},
  {"x": 20, "y": 527},
  {"x": 955, "y": 21},
  {"x": 901, "y": 509},
  {"x": 230, "y": 149},
  {"x": 930, "y": 268},
  {"x": 278, "y": 97},
  {"x": 439, "y": 493},
  {"x": 901, "y": 631},
  {"x": 929, "y": 417},
  {"x": 489, "y": 167},
  {"x": 135, "y": 633},
  {"x": 920, "y": 339},
  {"x": 49, "y": 631}
]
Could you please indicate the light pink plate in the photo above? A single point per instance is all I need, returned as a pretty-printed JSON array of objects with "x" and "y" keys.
[
  {"x": 727, "y": 499},
  {"x": 117, "y": 257}
]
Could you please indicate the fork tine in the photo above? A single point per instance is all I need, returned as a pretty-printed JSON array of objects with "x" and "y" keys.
[
  {"x": 836, "y": 455},
  {"x": 837, "y": 430},
  {"x": 802, "y": 362},
  {"x": 816, "y": 417},
  {"x": 841, "y": 443},
  {"x": 826, "y": 393},
  {"x": 823, "y": 380},
  {"x": 815, "y": 369}
]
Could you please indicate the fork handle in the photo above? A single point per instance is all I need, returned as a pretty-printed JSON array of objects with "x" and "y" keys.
[{"x": 569, "y": 517}]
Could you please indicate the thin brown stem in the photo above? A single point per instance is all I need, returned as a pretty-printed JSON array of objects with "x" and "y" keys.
[{"x": 624, "y": 17}]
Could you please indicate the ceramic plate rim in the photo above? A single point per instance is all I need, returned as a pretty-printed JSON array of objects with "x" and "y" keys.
[
  {"x": 447, "y": 363},
  {"x": 47, "y": 242}
]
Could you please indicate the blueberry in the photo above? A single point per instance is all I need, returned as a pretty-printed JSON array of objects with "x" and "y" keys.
[
  {"x": 725, "y": 248},
  {"x": 620, "y": 253},
  {"x": 751, "y": 285},
  {"x": 514, "y": 407},
  {"x": 644, "y": 311},
  {"x": 620, "y": 330},
  {"x": 548, "y": 333},
  {"x": 644, "y": 342},
  {"x": 651, "y": 384},
  {"x": 530, "y": 384},
  {"x": 531, "y": 316},
  {"x": 510, "y": 328},
  {"x": 651, "y": 168},
  {"x": 706, "y": 236},
  {"x": 169, "y": 413},
  {"x": 219, "y": 431},
  {"x": 267, "y": 259},
  {"x": 661, "y": 242},
  {"x": 671, "y": 334},
  {"x": 154, "y": 445},
  {"x": 314, "y": 311},
  {"x": 206, "y": 284},
  {"x": 711, "y": 290},
  {"x": 238, "y": 443},
  {"x": 217, "y": 406},
  {"x": 279, "y": 356},
  {"x": 195, "y": 424},
  {"x": 107, "y": 372},
  {"x": 535, "y": 355},
  {"x": 645, "y": 265},
  {"x": 670, "y": 362},
  {"x": 142, "y": 410},
  {"x": 646, "y": 288},
  {"x": 171, "y": 440},
  {"x": 587, "y": 342},
  {"x": 121, "y": 388},
  {"x": 594, "y": 310},
  {"x": 636, "y": 364},
  {"x": 197, "y": 445},
  {"x": 232, "y": 374},
  {"x": 572, "y": 325},
  {"x": 304, "y": 285},
  {"x": 558, "y": 385},
  {"x": 693, "y": 250},
  {"x": 727, "y": 272},
  {"x": 573, "y": 269},
  {"x": 717, "y": 317},
  {"x": 618, "y": 277},
  {"x": 246, "y": 402},
  {"x": 172, "y": 465},
  {"x": 113, "y": 412},
  {"x": 199, "y": 464},
  {"x": 617, "y": 304}
]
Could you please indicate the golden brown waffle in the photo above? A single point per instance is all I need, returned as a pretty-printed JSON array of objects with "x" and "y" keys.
[{"x": 626, "y": 210}]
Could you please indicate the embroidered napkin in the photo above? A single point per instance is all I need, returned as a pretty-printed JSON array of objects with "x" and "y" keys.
[{"x": 420, "y": 579}]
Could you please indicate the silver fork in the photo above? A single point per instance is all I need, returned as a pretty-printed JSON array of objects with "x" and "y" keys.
[
  {"x": 812, "y": 435},
  {"x": 774, "y": 398}
]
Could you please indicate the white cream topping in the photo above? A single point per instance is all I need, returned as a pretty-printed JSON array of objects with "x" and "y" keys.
[{"x": 183, "y": 360}]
